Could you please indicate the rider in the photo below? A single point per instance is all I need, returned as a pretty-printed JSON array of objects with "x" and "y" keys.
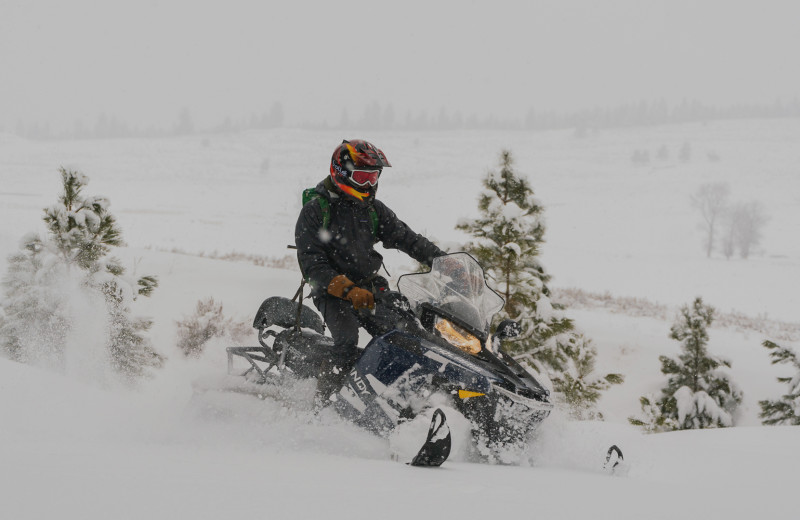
[{"x": 335, "y": 238}]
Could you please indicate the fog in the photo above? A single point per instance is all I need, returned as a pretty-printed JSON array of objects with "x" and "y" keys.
[{"x": 145, "y": 61}]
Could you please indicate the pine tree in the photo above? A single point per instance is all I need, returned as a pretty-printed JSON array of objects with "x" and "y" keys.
[
  {"x": 507, "y": 240},
  {"x": 30, "y": 314},
  {"x": 654, "y": 420},
  {"x": 577, "y": 383},
  {"x": 82, "y": 228},
  {"x": 699, "y": 394},
  {"x": 44, "y": 279},
  {"x": 785, "y": 410},
  {"x": 506, "y": 243}
]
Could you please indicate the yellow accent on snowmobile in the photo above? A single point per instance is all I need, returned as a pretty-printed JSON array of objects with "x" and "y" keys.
[{"x": 466, "y": 394}]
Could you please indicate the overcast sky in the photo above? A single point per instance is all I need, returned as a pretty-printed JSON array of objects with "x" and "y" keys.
[{"x": 142, "y": 60}]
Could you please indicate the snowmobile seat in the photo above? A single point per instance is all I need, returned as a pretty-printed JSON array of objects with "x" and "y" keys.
[{"x": 282, "y": 312}]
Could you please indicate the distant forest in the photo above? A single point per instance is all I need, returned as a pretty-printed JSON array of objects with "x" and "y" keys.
[{"x": 384, "y": 117}]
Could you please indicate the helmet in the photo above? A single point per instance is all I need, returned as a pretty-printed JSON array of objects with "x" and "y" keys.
[{"x": 355, "y": 168}]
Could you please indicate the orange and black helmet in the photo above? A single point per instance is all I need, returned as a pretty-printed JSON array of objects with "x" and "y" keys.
[{"x": 355, "y": 168}]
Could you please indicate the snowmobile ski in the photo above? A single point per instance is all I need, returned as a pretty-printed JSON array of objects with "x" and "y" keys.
[
  {"x": 613, "y": 459},
  {"x": 437, "y": 446}
]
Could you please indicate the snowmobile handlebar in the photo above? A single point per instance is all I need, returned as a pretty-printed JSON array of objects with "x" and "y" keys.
[{"x": 392, "y": 311}]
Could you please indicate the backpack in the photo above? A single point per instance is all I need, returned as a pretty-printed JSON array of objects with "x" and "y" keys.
[{"x": 310, "y": 194}]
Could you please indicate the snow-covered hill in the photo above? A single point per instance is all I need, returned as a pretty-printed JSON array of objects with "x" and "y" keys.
[{"x": 70, "y": 449}]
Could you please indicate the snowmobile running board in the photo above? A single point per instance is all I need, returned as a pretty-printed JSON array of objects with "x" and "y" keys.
[{"x": 253, "y": 354}]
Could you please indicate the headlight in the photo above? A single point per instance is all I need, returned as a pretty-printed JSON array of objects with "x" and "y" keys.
[{"x": 457, "y": 336}]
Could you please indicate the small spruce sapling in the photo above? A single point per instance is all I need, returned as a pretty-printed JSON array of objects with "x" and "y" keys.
[
  {"x": 785, "y": 410},
  {"x": 507, "y": 239},
  {"x": 39, "y": 312},
  {"x": 33, "y": 324},
  {"x": 699, "y": 394},
  {"x": 578, "y": 385},
  {"x": 653, "y": 419}
]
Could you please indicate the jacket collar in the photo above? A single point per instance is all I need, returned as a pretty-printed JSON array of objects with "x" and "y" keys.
[{"x": 327, "y": 189}]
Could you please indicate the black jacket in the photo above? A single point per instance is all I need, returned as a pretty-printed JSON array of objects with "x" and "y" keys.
[{"x": 347, "y": 245}]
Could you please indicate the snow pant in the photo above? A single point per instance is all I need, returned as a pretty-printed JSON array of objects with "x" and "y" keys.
[{"x": 343, "y": 321}]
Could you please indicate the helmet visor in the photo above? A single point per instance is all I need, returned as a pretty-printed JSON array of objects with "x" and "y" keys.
[{"x": 364, "y": 177}]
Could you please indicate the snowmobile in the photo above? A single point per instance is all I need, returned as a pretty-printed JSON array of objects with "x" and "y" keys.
[{"x": 431, "y": 345}]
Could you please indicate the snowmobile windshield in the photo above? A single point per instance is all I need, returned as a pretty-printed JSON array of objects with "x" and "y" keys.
[{"x": 455, "y": 286}]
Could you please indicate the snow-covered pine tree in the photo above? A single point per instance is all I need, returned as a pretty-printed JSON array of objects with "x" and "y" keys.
[
  {"x": 507, "y": 238},
  {"x": 653, "y": 420},
  {"x": 577, "y": 383},
  {"x": 699, "y": 394},
  {"x": 506, "y": 242},
  {"x": 44, "y": 279},
  {"x": 785, "y": 410},
  {"x": 32, "y": 325}
]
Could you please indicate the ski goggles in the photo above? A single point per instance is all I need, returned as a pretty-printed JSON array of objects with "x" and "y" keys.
[{"x": 364, "y": 177}]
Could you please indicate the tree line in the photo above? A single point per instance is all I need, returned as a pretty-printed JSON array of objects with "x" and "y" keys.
[{"x": 377, "y": 116}]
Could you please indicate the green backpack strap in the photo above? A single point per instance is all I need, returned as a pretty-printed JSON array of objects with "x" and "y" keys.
[
  {"x": 310, "y": 194},
  {"x": 373, "y": 217}
]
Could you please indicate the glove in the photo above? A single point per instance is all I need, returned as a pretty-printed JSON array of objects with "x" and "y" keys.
[
  {"x": 360, "y": 298},
  {"x": 338, "y": 285},
  {"x": 342, "y": 287}
]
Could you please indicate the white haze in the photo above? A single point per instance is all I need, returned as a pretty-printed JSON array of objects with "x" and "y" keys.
[
  {"x": 145, "y": 61},
  {"x": 70, "y": 450}
]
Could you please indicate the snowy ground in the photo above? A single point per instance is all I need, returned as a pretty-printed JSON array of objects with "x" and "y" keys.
[
  {"x": 72, "y": 450},
  {"x": 75, "y": 452}
]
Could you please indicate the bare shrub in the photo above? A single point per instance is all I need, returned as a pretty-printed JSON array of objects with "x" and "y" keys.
[{"x": 208, "y": 321}]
